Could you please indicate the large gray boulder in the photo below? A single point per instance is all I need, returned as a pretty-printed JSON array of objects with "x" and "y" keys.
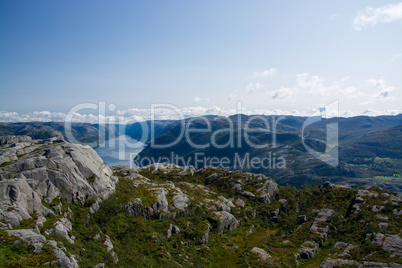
[
  {"x": 180, "y": 200},
  {"x": 223, "y": 220},
  {"x": 261, "y": 253},
  {"x": 46, "y": 169}
]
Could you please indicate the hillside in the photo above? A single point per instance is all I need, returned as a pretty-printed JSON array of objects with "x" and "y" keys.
[
  {"x": 362, "y": 142},
  {"x": 61, "y": 205},
  {"x": 85, "y": 133}
]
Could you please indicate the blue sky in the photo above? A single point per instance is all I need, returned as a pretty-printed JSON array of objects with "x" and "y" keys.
[{"x": 289, "y": 56}]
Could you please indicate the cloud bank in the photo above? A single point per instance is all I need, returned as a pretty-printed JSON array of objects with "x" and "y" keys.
[
  {"x": 373, "y": 16},
  {"x": 139, "y": 115}
]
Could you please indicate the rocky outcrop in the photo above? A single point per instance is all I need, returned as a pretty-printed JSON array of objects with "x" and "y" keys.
[
  {"x": 46, "y": 169},
  {"x": 319, "y": 227},
  {"x": 62, "y": 259},
  {"x": 62, "y": 228},
  {"x": 331, "y": 263},
  {"x": 267, "y": 191},
  {"x": 32, "y": 237},
  {"x": 35, "y": 239},
  {"x": 360, "y": 199},
  {"x": 310, "y": 248},
  {"x": 307, "y": 250},
  {"x": 205, "y": 238},
  {"x": 10, "y": 140},
  {"x": 390, "y": 243},
  {"x": 340, "y": 256}
]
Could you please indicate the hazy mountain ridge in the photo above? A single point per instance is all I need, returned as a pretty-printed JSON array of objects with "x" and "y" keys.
[
  {"x": 355, "y": 135},
  {"x": 91, "y": 134}
]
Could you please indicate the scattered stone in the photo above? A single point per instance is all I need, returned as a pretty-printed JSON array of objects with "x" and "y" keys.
[
  {"x": 223, "y": 220},
  {"x": 237, "y": 186},
  {"x": 169, "y": 231},
  {"x": 331, "y": 263},
  {"x": 383, "y": 226},
  {"x": 376, "y": 209},
  {"x": 108, "y": 243},
  {"x": 380, "y": 217},
  {"x": 261, "y": 253},
  {"x": 247, "y": 194},
  {"x": 240, "y": 203},
  {"x": 175, "y": 229},
  {"x": 307, "y": 250}
]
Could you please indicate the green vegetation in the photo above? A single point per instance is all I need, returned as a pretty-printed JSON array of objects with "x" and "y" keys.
[
  {"x": 144, "y": 242},
  {"x": 91, "y": 179},
  {"x": 387, "y": 178},
  {"x": 14, "y": 253}
]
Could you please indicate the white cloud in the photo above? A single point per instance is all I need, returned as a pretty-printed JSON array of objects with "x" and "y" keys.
[
  {"x": 316, "y": 86},
  {"x": 373, "y": 16},
  {"x": 196, "y": 99},
  {"x": 263, "y": 74},
  {"x": 252, "y": 87},
  {"x": 379, "y": 83},
  {"x": 304, "y": 82},
  {"x": 282, "y": 93},
  {"x": 383, "y": 93},
  {"x": 396, "y": 57},
  {"x": 138, "y": 115},
  {"x": 334, "y": 16}
]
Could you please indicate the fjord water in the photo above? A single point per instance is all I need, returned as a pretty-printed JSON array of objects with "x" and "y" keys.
[{"x": 117, "y": 151}]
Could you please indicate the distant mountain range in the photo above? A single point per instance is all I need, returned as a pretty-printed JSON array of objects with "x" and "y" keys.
[
  {"x": 90, "y": 134},
  {"x": 369, "y": 148}
]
